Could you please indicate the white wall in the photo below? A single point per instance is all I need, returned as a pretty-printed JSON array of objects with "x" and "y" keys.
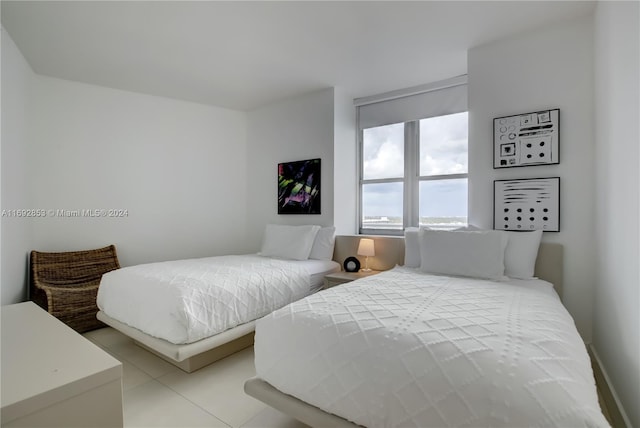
[
  {"x": 16, "y": 234},
  {"x": 616, "y": 333},
  {"x": 344, "y": 164},
  {"x": 548, "y": 68},
  {"x": 195, "y": 180},
  {"x": 178, "y": 168},
  {"x": 294, "y": 129}
]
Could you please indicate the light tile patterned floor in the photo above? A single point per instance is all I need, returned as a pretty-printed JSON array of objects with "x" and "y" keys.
[{"x": 157, "y": 394}]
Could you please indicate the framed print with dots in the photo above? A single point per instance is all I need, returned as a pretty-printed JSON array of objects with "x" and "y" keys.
[
  {"x": 527, "y": 139},
  {"x": 527, "y": 204}
]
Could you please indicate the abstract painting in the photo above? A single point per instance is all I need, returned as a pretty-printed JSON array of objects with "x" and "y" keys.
[
  {"x": 299, "y": 187},
  {"x": 527, "y": 139},
  {"x": 527, "y": 204}
]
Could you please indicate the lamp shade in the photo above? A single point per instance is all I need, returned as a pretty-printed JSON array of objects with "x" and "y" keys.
[{"x": 365, "y": 248}]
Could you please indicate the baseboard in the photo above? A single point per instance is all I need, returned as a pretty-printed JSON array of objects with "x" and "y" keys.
[{"x": 618, "y": 416}]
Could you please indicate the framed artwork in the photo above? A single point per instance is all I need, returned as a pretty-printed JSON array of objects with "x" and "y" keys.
[
  {"x": 527, "y": 204},
  {"x": 299, "y": 187},
  {"x": 527, "y": 139}
]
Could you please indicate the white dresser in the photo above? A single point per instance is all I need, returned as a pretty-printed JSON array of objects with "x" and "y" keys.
[{"x": 52, "y": 376}]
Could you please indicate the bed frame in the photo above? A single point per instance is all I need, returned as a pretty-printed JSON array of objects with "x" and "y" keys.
[
  {"x": 191, "y": 356},
  {"x": 389, "y": 252}
]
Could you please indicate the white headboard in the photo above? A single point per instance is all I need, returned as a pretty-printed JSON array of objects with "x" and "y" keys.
[{"x": 390, "y": 252}]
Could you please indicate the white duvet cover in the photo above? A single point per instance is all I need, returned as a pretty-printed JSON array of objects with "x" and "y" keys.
[
  {"x": 409, "y": 349},
  {"x": 187, "y": 300}
]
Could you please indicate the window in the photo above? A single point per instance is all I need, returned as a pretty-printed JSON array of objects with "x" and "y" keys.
[
  {"x": 383, "y": 173},
  {"x": 413, "y": 172}
]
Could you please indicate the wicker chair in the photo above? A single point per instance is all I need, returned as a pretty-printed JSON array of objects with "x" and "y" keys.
[{"x": 66, "y": 284}]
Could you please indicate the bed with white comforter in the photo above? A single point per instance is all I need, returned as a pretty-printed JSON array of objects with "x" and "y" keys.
[
  {"x": 197, "y": 311},
  {"x": 184, "y": 301},
  {"x": 405, "y": 348}
]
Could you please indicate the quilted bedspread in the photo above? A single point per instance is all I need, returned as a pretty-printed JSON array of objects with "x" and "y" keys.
[
  {"x": 187, "y": 300},
  {"x": 406, "y": 349}
]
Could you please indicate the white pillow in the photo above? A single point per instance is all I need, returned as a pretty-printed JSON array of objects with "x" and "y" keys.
[
  {"x": 477, "y": 254},
  {"x": 322, "y": 248},
  {"x": 288, "y": 242},
  {"x": 412, "y": 247},
  {"x": 521, "y": 254}
]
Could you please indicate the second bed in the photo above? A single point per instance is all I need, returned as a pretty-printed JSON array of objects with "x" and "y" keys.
[{"x": 193, "y": 312}]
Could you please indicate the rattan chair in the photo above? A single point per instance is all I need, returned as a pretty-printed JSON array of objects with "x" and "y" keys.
[{"x": 66, "y": 284}]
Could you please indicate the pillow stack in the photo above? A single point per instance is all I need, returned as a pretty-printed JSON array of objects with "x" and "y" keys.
[
  {"x": 298, "y": 242},
  {"x": 471, "y": 252}
]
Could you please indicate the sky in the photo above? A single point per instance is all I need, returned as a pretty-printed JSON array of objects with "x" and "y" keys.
[{"x": 443, "y": 150}]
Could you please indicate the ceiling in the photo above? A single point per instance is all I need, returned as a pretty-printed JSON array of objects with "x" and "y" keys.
[{"x": 243, "y": 55}]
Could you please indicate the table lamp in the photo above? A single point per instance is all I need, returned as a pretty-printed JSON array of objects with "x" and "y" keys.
[{"x": 365, "y": 248}]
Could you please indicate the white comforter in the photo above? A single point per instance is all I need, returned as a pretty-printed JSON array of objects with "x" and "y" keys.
[
  {"x": 408, "y": 349},
  {"x": 187, "y": 300}
]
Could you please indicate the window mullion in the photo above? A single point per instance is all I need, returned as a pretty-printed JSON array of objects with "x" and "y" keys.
[
  {"x": 442, "y": 177},
  {"x": 381, "y": 180},
  {"x": 411, "y": 165},
  {"x": 360, "y": 166}
]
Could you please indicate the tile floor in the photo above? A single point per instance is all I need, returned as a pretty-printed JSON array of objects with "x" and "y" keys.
[{"x": 157, "y": 394}]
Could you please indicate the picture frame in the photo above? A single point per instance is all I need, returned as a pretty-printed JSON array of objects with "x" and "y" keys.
[
  {"x": 299, "y": 187},
  {"x": 528, "y": 139},
  {"x": 527, "y": 204}
]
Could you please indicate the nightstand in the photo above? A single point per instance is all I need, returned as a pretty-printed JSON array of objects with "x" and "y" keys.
[{"x": 338, "y": 278}]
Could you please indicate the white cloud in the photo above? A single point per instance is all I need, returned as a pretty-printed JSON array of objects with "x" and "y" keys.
[
  {"x": 384, "y": 152},
  {"x": 388, "y": 163},
  {"x": 449, "y": 158},
  {"x": 444, "y": 145}
]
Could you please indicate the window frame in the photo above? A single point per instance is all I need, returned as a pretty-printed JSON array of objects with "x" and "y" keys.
[{"x": 411, "y": 180}]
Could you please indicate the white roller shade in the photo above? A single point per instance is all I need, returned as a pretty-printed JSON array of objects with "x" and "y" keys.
[{"x": 396, "y": 108}]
